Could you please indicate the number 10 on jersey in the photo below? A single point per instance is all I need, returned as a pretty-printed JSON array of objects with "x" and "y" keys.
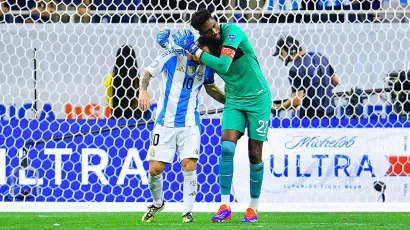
[{"x": 188, "y": 82}]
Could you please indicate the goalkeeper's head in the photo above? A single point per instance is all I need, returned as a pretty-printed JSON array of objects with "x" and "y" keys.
[
  {"x": 288, "y": 49},
  {"x": 205, "y": 24}
]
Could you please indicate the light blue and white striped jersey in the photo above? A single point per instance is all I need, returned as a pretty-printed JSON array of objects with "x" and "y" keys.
[{"x": 181, "y": 82}]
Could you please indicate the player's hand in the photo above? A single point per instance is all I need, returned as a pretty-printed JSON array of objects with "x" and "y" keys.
[
  {"x": 144, "y": 101},
  {"x": 186, "y": 40},
  {"x": 193, "y": 57},
  {"x": 275, "y": 108},
  {"x": 162, "y": 37}
]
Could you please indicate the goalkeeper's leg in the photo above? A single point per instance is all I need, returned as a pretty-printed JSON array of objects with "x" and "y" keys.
[
  {"x": 256, "y": 167},
  {"x": 155, "y": 183},
  {"x": 258, "y": 126},
  {"x": 229, "y": 139},
  {"x": 233, "y": 127}
]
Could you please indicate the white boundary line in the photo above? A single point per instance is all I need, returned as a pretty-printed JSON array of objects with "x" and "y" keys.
[{"x": 200, "y": 207}]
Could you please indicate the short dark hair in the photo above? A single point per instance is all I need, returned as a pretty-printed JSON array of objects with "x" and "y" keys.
[
  {"x": 199, "y": 18},
  {"x": 202, "y": 42}
]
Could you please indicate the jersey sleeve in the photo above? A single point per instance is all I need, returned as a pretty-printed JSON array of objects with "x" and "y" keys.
[
  {"x": 331, "y": 70},
  {"x": 232, "y": 36},
  {"x": 209, "y": 76},
  {"x": 327, "y": 67},
  {"x": 159, "y": 64}
]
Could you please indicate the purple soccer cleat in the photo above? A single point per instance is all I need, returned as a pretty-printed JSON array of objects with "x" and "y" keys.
[
  {"x": 224, "y": 213},
  {"x": 250, "y": 216}
]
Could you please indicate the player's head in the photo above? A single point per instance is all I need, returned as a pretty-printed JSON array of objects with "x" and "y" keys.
[
  {"x": 207, "y": 27},
  {"x": 287, "y": 48},
  {"x": 205, "y": 46}
]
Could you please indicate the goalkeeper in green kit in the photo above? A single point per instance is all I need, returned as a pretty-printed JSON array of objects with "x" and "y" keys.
[{"x": 248, "y": 101}]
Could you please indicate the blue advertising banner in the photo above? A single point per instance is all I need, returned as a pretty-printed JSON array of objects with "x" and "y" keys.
[{"x": 110, "y": 165}]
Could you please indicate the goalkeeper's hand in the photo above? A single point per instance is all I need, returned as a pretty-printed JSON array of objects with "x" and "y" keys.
[
  {"x": 186, "y": 40},
  {"x": 162, "y": 38}
]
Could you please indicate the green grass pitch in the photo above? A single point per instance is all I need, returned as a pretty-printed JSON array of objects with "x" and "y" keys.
[{"x": 168, "y": 221}]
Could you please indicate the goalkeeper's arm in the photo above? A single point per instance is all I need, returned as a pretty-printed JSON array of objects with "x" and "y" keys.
[
  {"x": 219, "y": 64},
  {"x": 215, "y": 92},
  {"x": 231, "y": 37}
]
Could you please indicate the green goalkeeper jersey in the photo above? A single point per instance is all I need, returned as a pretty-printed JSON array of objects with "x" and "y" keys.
[{"x": 239, "y": 69}]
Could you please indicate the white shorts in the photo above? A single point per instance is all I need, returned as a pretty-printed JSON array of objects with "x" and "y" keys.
[{"x": 165, "y": 141}]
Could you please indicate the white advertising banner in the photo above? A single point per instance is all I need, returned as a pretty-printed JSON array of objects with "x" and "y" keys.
[{"x": 328, "y": 166}]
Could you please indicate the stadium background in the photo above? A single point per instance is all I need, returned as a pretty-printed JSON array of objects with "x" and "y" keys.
[{"x": 71, "y": 61}]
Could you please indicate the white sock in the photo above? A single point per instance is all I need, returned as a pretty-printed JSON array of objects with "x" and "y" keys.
[
  {"x": 254, "y": 203},
  {"x": 226, "y": 199},
  {"x": 155, "y": 186},
  {"x": 190, "y": 183}
]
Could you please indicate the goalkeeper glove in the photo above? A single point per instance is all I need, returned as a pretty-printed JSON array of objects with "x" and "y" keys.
[
  {"x": 186, "y": 40},
  {"x": 162, "y": 38}
]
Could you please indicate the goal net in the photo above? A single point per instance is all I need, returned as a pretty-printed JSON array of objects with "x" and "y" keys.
[{"x": 66, "y": 144}]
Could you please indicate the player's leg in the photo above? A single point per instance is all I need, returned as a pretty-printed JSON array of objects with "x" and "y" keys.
[
  {"x": 256, "y": 168},
  {"x": 189, "y": 188},
  {"x": 233, "y": 126},
  {"x": 188, "y": 142},
  {"x": 229, "y": 139},
  {"x": 155, "y": 181},
  {"x": 160, "y": 152},
  {"x": 258, "y": 123}
]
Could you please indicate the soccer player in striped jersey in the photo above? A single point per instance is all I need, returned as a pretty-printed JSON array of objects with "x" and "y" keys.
[{"x": 177, "y": 125}]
